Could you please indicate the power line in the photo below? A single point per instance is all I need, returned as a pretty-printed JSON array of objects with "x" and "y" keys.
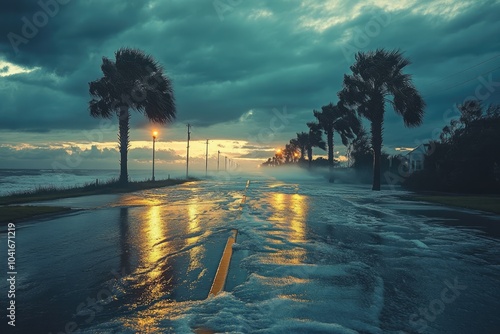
[
  {"x": 464, "y": 82},
  {"x": 465, "y": 70}
]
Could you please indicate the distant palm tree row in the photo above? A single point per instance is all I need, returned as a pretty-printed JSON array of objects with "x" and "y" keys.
[{"x": 377, "y": 79}]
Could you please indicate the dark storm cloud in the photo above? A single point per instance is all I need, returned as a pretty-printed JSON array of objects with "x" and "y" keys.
[{"x": 252, "y": 55}]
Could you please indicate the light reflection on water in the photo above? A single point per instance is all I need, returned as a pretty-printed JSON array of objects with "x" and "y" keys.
[
  {"x": 288, "y": 213},
  {"x": 170, "y": 242},
  {"x": 158, "y": 278},
  {"x": 195, "y": 253}
]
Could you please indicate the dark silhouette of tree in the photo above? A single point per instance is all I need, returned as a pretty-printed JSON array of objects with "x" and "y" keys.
[
  {"x": 302, "y": 141},
  {"x": 133, "y": 81},
  {"x": 279, "y": 156},
  {"x": 467, "y": 159},
  {"x": 376, "y": 76},
  {"x": 314, "y": 139},
  {"x": 290, "y": 153},
  {"x": 447, "y": 134},
  {"x": 336, "y": 118},
  {"x": 470, "y": 111},
  {"x": 361, "y": 153},
  {"x": 269, "y": 162}
]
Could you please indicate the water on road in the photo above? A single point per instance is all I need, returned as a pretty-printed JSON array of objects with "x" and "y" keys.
[{"x": 310, "y": 257}]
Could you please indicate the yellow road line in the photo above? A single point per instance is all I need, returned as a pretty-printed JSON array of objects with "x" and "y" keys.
[
  {"x": 244, "y": 199},
  {"x": 223, "y": 269}
]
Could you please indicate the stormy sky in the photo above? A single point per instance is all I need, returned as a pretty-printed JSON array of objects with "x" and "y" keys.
[{"x": 246, "y": 74}]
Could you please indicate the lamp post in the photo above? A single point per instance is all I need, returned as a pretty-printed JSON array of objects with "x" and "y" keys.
[
  {"x": 206, "y": 161},
  {"x": 187, "y": 153},
  {"x": 155, "y": 133},
  {"x": 218, "y": 157}
]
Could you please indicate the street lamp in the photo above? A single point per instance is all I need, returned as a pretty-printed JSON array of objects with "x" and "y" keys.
[
  {"x": 218, "y": 157},
  {"x": 155, "y": 134}
]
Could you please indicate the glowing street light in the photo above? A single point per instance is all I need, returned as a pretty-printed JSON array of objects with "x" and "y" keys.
[{"x": 155, "y": 134}]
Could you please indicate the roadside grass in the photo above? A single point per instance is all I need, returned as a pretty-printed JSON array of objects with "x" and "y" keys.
[
  {"x": 482, "y": 203},
  {"x": 18, "y": 212},
  {"x": 110, "y": 187}
]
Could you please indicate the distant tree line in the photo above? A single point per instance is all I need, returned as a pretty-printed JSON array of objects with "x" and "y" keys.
[{"x": 466, "y": 158}]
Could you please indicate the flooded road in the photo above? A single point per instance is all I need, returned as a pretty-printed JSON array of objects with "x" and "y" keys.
[{"x": 310, "y": 257}]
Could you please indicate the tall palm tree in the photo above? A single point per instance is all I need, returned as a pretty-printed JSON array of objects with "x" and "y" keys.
[
  {"x": 336, "y": 118},
  {"x": 377, "y": 76},
  {"x": 133, "y": 81},
  {"x": 315, "y": 139}
]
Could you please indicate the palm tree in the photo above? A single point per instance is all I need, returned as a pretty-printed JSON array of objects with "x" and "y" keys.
[
  {"x": 133, "y": 81},
  {"x": 336, "y": 118},
  {"x": 295, "y": 148},
  {"x": 288, "y": 153},
  {"x": 301, "y": 142},
  {"x": 314, "y": 139},
  {"x": 361, "y": 151},
  {"x": 376, "y": 76}
]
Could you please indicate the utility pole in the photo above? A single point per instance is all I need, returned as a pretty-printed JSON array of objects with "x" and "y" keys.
[
  {"x": 206, "y": 161},
  {"x": 154, "y": 140},
  {"x": 218, "y": 156},
  {"x": 225, "y": 163},
  {"x": 187, "y": 155}
]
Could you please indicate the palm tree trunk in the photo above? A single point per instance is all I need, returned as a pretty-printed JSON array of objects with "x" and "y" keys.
[
  {"x": 123, "y": 140},
  {"x": 377, "y": 152},
  {"x": 329, "y": 138}
]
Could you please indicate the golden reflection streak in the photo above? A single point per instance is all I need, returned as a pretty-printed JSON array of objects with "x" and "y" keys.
[
  {"x": 154, "y": 253},
  {"x": 134, "y": 200},
  {"x": 195, "y": 253},
  {"x": 298, "y": 205},
  {"x": 290, "y": 210},
  {"x": 152, "y": 233},
  {"x": 299, "y": 209}
]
